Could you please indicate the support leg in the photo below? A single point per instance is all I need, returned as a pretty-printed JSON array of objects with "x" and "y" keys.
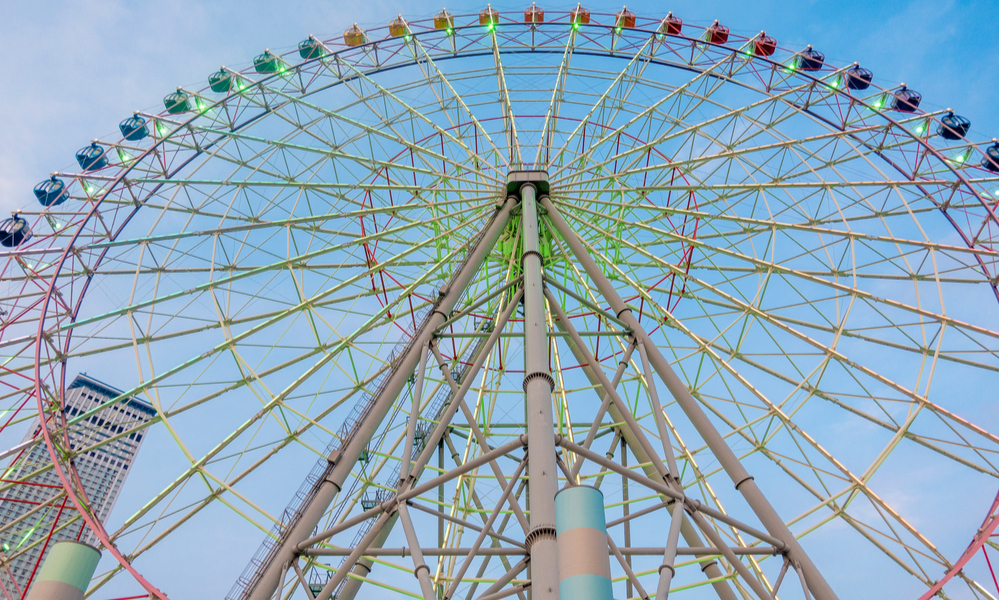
[
  {"x": 727, "y": 458},
  {"x": 691, "y": 536}
]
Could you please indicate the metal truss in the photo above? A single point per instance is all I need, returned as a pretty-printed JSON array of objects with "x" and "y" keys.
[{"x": 740, "y": 267}]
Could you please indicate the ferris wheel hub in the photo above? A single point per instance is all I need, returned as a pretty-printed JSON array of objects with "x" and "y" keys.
[{"x": 517, "y": 178}]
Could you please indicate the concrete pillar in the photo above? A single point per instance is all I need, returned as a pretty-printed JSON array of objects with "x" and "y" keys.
[
  {"x": 66, "y": 572},
  {"x": 582, "y": 539}
]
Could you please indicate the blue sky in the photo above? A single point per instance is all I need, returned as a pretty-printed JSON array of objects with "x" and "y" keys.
[{"x": 81, "y": 67}]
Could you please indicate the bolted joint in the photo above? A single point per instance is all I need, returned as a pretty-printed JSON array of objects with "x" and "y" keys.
[{"x": 390, "y": 507}]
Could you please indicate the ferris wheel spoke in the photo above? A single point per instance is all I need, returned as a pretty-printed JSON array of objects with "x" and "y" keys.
[
  {"x": 718, "y": 349},
  {"x": 389, "y": 121},
  {"x": 780, "y": 269},
  {"x": 555, "y": 104},
  {"x": 320, "y": 186},
  {"x": 840, "y": 358},
  {"x": 440, "y": 76},
  {"x": 848, "y": 135},
  {"x": 833, "y": 354},
  {"x": 672, "y": 132},
  {"x": 310, "y": 353},
  {"x": 780, "y": 182},
  {"x": 632, "y": 69},
  {"x": 836, "y": 136},
  {"x": 754, "y": 226},
  {"x": 212, "y": 145},
  {"x": 282, "y": 264},
  {"x": 328, "y": 151},
  {"x": 358, "y": 137},
  {"x": 915, "y": 348},
  {"x": 376, "y": 133},
  {"x": 788, "y": 424},
  {"x": 193, "y": 469},
  {"x": 507, "y": 114},
  {"x": 141, "y": 548},
  {"x": 327, "y": 351},
  {"x": 303, "y": 222},
  {"x": 835, "y": 271},
  {"x": 672, "y": 100},
  {"x": 295, "y": 182}
]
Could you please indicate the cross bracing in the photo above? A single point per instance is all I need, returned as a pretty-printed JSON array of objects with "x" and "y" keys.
[{"x": 781, "y": 240}]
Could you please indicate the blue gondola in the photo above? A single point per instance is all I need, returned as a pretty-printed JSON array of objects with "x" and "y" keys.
[
  {"x": 811, "y": 60},
  {"x": 310, "y": 48},
  {"x": 51, "y": 192},
  {"x": 134, "y": 128},
  {"x": 92, "y": 157},
  {"x": 954, "y": 127},
  {"x": 858, "y": 78},
  {"x": 905, "y": 100},
  {"x": 992, "y": 160},
  {"x": 14, "y": 232}
]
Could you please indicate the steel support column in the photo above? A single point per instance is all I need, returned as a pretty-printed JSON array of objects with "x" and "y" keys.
[
  {"x": 363, "y": 569},
  {"x": 344, "y": 459},
  {"x": 538, "y": 387},
  {"x": 711, "y": 568},
  {"x": 727, "y": 458}
]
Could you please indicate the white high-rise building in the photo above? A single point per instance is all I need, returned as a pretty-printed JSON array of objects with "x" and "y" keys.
[{"x": 34, "y": 514}]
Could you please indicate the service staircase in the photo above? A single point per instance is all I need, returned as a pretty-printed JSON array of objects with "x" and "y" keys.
[{"x": 433, "y": 412}]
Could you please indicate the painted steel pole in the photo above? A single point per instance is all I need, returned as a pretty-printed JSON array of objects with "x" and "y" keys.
[
  {"x": 66, "y": 572},
  {"x": 727, "y": 458},
  {"x": 711, "y": 568},
  {"x": 343, "y": 460},
  {"x": 582, "y": 538},
  {"x": 538, "y": 387},
  {"x": 363, "y": 568}
]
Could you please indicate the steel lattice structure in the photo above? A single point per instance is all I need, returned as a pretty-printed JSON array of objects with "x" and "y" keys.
[{"x": 729, "y": 259}]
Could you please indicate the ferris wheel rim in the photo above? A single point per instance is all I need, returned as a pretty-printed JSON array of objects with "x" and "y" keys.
[
  {"x": 79, "y": 301},
  {"x": 121, "y": 176}
]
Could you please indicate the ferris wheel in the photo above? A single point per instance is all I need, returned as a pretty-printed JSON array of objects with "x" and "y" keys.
[{"x": 511, "y": 304}]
